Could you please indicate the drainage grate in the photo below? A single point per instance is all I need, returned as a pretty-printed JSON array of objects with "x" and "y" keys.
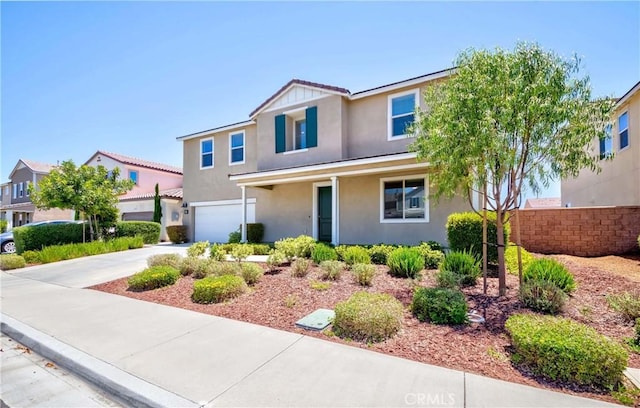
[{"x": 317, "y": 320}]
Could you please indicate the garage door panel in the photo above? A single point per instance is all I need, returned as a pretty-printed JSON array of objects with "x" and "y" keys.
[{"x": 214, "y": 223}]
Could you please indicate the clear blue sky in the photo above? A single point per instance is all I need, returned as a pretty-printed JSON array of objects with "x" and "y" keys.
[{"x": 129, "y": 77}]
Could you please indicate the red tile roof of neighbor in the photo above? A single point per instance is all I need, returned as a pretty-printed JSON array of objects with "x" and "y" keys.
[
  {"x": 38, "y": 167},
  {"x": 141, "y": 163},
  {"x": 549, "y": 202},
  {"x": 171, "y": 193}
]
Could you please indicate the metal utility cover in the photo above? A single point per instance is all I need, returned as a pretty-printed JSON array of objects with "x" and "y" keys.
[{"x": 317, "y": 320}]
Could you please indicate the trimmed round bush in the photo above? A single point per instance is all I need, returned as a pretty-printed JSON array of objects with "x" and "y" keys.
[
  {"x": 355, "y": 254},
  {"x": 153, "y": 278},
  {"x": 542, "y": 296},
  {"x": 173, "y": 260},
  {"x": 11, "y": 261},
  {"x": 364, "y": 273},
  {"x": 322, "y": 252},
  {"x": 380, "y": 252},
  {"x": 177, "y": 233},
  {"x": 564, "y": 350},
  {"x": 552, "y": 271},
  {"x": 251, "y": 272},
  {"x": 439, "y": 305},
  {"x": 405, "y": 263},
  {"x": 464, "y": 232},
  {"x": 216, "y": 289},
  {"x": 149, "y": 231},
  {"x": 432, "y": 257},
  {"x": 368, "y": 317},
  {"x": 463, "y": 264}
]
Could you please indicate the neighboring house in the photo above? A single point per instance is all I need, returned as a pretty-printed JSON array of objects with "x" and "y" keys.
[
  {"x": 16, "y": 206},
  {"x": 618, "y": 184},
  {"x": 138, "y": 204},
  {"x": 550, "y": 202},
  {"x": 318, "y": 160}
]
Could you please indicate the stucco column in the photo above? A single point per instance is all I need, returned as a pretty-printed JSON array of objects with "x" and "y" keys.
[
  {"x": 334, "y": 210},
  {"x": 244, "y": 214},
  {"x": 9, "y": 217}
]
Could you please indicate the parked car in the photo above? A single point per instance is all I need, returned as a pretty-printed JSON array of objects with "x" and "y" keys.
[{"x": 6, "y": 238}]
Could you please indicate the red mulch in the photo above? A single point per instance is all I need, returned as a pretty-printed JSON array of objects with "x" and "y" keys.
[{"x": 279, "y": 300}]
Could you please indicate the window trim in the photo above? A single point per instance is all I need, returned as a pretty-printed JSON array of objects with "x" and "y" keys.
[
  {"x": 424, "y": 220},
  {"x": 231, "y": 148},
  {"x": 603, "y": 154},
  {"x": 213, "y": 150},
  {"x": 21, "y": 190},
  {"x": 620, "y": 148},
  {"x": 15, "y": 190},
  {"x": 137, "y": 173},
  {"x": 390, "y": 98}
]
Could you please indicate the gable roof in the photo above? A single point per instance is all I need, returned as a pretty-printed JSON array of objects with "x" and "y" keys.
[
  {"x": 629, "y": 94},
  {"x": 34, "y": 166},
  {"x": 137, "y": 162},
  {"x": 171, "y": 193}
]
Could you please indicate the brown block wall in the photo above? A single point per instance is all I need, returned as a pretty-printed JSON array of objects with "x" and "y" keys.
[{"x": 585, "y": 231}]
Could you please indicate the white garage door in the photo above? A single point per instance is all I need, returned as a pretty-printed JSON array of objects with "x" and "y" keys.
[{"x": 215, "y": 222}]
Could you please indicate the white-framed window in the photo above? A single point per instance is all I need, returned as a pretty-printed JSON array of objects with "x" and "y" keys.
[
  {"x": 15, "y": 190},
  {"x": 606, "y": 144},
  {"x": 404, "y": 199},
  {"x": 206, "y": 153},
  {"x": 623, "y": 130},
  {"x": 20, "y": 189},
  {"x": 296, "y": 130},
  {"x": 236, "y": 147},
  {"x": 133, "y": 176},
  {"x": 401, "y": 113}
]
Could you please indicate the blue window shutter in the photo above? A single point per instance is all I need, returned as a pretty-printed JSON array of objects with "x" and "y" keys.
[
  {"x": 312, "y": 126},
  {"x": 280, "y": 134}
]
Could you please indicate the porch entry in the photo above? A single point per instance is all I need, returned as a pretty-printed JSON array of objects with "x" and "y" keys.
[{"x": 324, "y": 214}]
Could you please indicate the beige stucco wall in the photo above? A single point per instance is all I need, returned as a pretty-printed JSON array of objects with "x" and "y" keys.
[
  {"x": 285, "y": 211},
  {"x": 619, "y": 182},
  {"x": 330, "y": 136}
]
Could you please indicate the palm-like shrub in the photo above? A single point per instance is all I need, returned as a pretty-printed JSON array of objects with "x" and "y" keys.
[
  {"x": 463, "y": 264},
  {"x": 552, "y": 271},
  {"x": 405, "y": 263}
]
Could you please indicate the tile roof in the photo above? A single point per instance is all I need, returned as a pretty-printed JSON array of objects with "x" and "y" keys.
[
  {"x": 37, "y": 166},
  {"x": 549, "y": 202},
  {"x": 171, "y": 193},
  {"x": 139, "y": 162},
  {"x": 300, "y": 82}
]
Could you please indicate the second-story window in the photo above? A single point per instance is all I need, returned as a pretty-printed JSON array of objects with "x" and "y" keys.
[
  {"x": 401, "y": 111},
  {"x": 300, "y": 134},
  {"x": 15, "y": 191},
  {"x": 133, "y": 176},
  {"x": 26, "y": 188},
  {"x": 21, "y": 190},
  {"x": 206, "y": 153},
  {"x": 623, "y": 130},
  {"x": 606, "y": 145},
  {"x": 297, "y": 130},
  {"x": 236, "y": 147}
]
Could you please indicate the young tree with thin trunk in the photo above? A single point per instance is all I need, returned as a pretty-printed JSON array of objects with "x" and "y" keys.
[{"x": 509, "y": 120}]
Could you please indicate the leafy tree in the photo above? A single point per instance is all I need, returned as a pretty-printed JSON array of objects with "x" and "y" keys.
[
  {"x": 157, "y": 207},
  {"x": 508, "y": 120},
  {"x": 92, "y": 191}
]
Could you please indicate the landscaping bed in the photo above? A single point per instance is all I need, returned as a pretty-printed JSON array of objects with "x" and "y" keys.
[{"x": 279, "y": 300}]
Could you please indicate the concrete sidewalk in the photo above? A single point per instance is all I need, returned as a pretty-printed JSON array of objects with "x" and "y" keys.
[{"x": 154, "y": 355}]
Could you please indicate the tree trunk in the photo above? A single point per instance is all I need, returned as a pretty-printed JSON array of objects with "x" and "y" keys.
[
  {"x": 519, "y": 244},
  {"x": 502, "y": 273},
  {"x": 485, "y": 242}
]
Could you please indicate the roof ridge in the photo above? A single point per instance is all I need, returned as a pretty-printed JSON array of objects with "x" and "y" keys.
[{"x": 140, "y": 162}]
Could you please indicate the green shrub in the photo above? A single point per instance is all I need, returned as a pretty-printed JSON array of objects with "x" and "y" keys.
[
  {"x": 319, "y": 285},
  {"x": 542, "y": 296},
  {"x": 300, "y": 267},
  {"x": 363, "y": 273},
  {"x": 153, "y": 278},
  {"x": 636, "y": 340},
  {"x": 322, "y": 252},
  {"x": 299, "y": 247},
  {"x": 435, "y": 245},
  {"x": 58, "y": 253},
  {"x": 368, "y": 317},
  {"x": 3, "y": 226},
  {"x": 226, "y": 268},
  {"x": 217, "y": 253},
  {"x": 251, "y": 272},
  {"x": 261, "y": 249},
  {"x": 173, "y": 260},
  {"x": 439, "y": 305},
  {"x": 511, "y": 259},
  {"x": 204, "y": 267},
  {"x": 235, "y": 237},
  {"x": 198, "y": 249},
  {"x": 464, "y": 232},
  {"x": 627, "y": 304},
  {"x": 275, "y": 259},
  {"x": 228, "y": 247},
  {"x": 287, "y": 247},
  {"x": 380, "y": 252},
  {"x": 241, "y": 252},
  {"x": 149, "y": 231},
  {"x": 340, "y": 250},
  {"x": 432, "y": 257},
  {"x": 189, "y": 265},
  {"x": 11, "y": 261},
  {"x": 31, "y": 257},
  {"x": 447, "y": 279},
  {"x": 552, "y": 271},
  {"x": 405, "y": 263},
  {"x": 131, "y": 242},
  {"x": 177, "y": 234},
  {"x": 356, "y": 254},
  {"x": 563, "y": 350},
  {"x": 255, "y": 232},
  {"x": 216, "y": 289},
  {"x": 463, "y": 264},
  {"x": 29, "y": 238},
  {"x": 331, "y": 270}
]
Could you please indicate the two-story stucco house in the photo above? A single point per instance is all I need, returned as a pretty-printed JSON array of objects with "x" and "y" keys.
[
  {"x": 138, "y": 203},
  {"x": 16, "y": 206},
  {"x": 318, "y": 160},
  {"x": 618, "y": 184}
]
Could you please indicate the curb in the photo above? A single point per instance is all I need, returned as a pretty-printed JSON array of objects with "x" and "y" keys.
[{"x": 127, "y": 387}]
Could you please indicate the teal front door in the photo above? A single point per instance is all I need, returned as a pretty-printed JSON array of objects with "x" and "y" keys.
[{"x": 324, "y": 214}]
